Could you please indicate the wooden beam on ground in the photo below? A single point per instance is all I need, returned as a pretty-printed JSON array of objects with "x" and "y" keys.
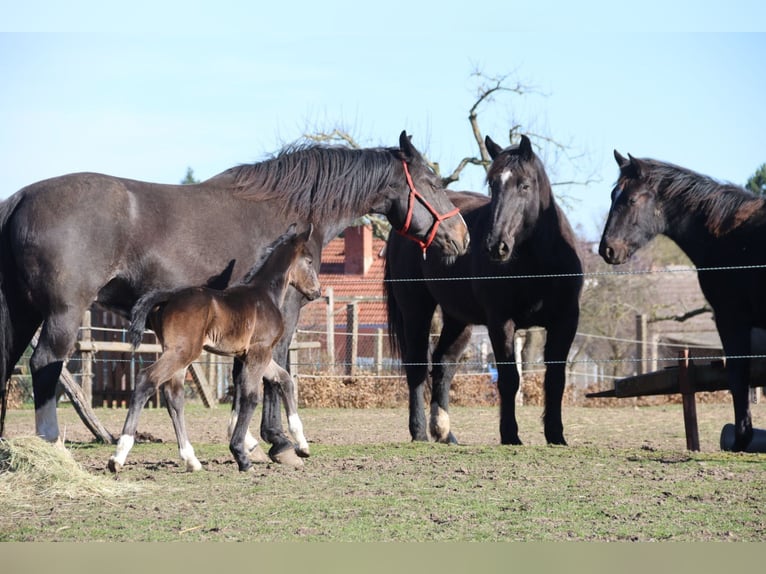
[{"x": 200, "y": 382}]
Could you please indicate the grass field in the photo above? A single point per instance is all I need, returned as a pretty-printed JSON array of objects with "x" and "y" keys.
[{"x": 624, "y": 476}]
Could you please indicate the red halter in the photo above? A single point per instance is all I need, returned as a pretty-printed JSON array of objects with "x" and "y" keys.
[{"x": 414, "y": 194}]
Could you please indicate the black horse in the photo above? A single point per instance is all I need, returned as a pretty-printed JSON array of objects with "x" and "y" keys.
[
  {"x": 70, "y": 240},
  {"x": 518, "y": 234},
  {"x": 716, "y": 225}
]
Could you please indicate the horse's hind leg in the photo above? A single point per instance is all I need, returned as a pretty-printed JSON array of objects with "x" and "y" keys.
[
  {"x": 452, "y": 342},
  {"x": 289, "y": 394},
  {"x": 558, "y": 340},
  {"x": 174, "y": 400}
]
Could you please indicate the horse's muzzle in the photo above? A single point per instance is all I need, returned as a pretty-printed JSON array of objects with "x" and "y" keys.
[{"x": 614, "y": 252}]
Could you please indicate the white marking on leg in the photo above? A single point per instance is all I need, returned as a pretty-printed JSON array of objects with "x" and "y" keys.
[
  {"x": 188, "y": 456},
  {"x": 46, "y": 421},
  {"x": 295, "y": 426},
  {"x": 439, "y": 423},
  {"x": 250, "y": 441},
  {"x": 123, "y": 448}
]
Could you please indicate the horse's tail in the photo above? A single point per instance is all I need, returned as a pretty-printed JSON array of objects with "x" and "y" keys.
[
  {"x": 7, "y": 339},
  {"x": 140, "y": 313},
  {"x": 395, "y": 319}
]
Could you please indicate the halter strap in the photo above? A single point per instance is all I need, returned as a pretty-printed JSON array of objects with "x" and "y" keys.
[{"x": 413, "y": 195}]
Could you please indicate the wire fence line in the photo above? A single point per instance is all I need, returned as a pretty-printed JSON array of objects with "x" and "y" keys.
[{"x": 584, "y": 274}]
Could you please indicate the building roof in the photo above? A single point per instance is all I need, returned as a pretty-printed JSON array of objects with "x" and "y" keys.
[{"x": 346, "y": 286}]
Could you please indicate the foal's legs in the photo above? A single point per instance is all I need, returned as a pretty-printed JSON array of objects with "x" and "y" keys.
[
  {"x": 251, "y": 443},
  {"x": 452, "y": 342},
  {"x": 255, "y": 364},
  {"x": 147, "y": 383},
  {"x": 174, "y": 400}
]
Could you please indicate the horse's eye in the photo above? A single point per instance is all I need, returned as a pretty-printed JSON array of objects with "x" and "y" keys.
[{"x": 632, "y": 200}]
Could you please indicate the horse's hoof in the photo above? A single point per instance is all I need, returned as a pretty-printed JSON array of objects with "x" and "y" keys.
[
  {"x": 288, "y": 457},
  {"x": 302, "y": 452},
  {"x": 193, "y": 466},
  {"x": 244, "y": 466},
  {"x": 451, "y": 439},
  {"x": 113, "y": 465},
  {"x": 257, "y": 455}
]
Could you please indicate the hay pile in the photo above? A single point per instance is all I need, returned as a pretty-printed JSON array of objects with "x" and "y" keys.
[{"x": 31, "y": 467}]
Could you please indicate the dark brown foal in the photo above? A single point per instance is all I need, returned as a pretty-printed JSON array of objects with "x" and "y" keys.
[{"x": 243, "y": 321}]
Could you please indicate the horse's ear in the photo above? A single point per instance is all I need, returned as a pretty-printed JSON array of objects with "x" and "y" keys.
[
  {"x": 637, "y": 165},
  {"x": 621, "y": 161},
  {"x": 409, "y": 150},
  {"x": 525, "y": 147},
  {"x": 493, "y": 148}
]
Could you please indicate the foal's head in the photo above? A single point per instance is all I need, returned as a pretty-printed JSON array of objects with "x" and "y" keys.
[
  {"x": 301, "y": 273},
  {"x": 520, "y": 190}
]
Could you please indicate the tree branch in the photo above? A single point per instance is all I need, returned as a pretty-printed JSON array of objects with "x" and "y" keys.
[{"x": 684, "y": 316}]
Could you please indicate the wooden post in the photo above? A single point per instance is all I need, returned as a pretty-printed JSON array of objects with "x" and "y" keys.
[
  {"x": 642, "y": 352},
  {"x": 330, "y": 294},
  {"x": 379, "y": 351},
  {"x": 87, "y": 359},
  {"x": 686, "y": 386},
  {"x": 352, "y": 332}
]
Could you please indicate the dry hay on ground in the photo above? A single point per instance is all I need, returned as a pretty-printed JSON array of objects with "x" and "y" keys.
[{"x": 31, "y": 467}]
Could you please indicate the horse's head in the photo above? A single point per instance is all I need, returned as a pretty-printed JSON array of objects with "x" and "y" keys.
[
  {"x": 419, "y": 208},
  {"x": 520, "y": 190},
  {"x": 302, "y": 274},
  {"x": 635, "y": 216}
]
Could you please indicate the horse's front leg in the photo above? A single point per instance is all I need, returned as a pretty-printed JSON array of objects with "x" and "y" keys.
[
  {"x": 452, "y": 342},
  {"x": 249, "y": 396},
  {"x": 501, "y": 335},
  {"x": 289, "y": 396},
  {"x": 736, "y": 343},
  {"x": 271, "y": 419},
  {"x": 251, "y": 443}
]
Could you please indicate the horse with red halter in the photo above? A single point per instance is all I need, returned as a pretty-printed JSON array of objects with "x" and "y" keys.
[
  {"x": 521, "y": 271},
  {"x": 70, "y": 240},
  {"x": 717, "y": 225},
  {"x": 242, "y": 321}
]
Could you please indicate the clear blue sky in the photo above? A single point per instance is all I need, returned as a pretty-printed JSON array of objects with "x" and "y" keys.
[{"x": 147, "y": 89}]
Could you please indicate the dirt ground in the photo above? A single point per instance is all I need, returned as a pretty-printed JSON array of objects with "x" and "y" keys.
[{"x": 626, "y": 427}]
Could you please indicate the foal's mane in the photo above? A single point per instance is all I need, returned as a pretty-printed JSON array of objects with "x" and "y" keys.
[
  {"x": 261, "y": 261},
  {"x": 726, "y": 205},
  {"x": 318, "y": 181}
]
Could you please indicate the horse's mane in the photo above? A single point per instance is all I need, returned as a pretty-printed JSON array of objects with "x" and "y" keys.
[
  {"x": 273, "y": 246},
  {"x": 317, "y": 181},
  {"x": 726, "y": 205}
]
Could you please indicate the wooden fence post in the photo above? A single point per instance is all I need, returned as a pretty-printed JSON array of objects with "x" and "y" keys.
[
  {"x": 642, "y": 352},
  {"x": 686, "y": 386},
  {"x": 352, "y": 332},
  {"x": 87, "y": 359},
  {"x": 378, "y": 351},
  {"x": 330, "y": 294}
]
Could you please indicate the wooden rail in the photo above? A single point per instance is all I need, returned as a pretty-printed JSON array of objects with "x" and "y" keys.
[{"x": 686, "y": 379}]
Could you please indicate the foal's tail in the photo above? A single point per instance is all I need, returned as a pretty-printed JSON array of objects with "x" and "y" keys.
[
  {"x": 8, "y": 344},
  {"x": 140, "y": 314}
]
